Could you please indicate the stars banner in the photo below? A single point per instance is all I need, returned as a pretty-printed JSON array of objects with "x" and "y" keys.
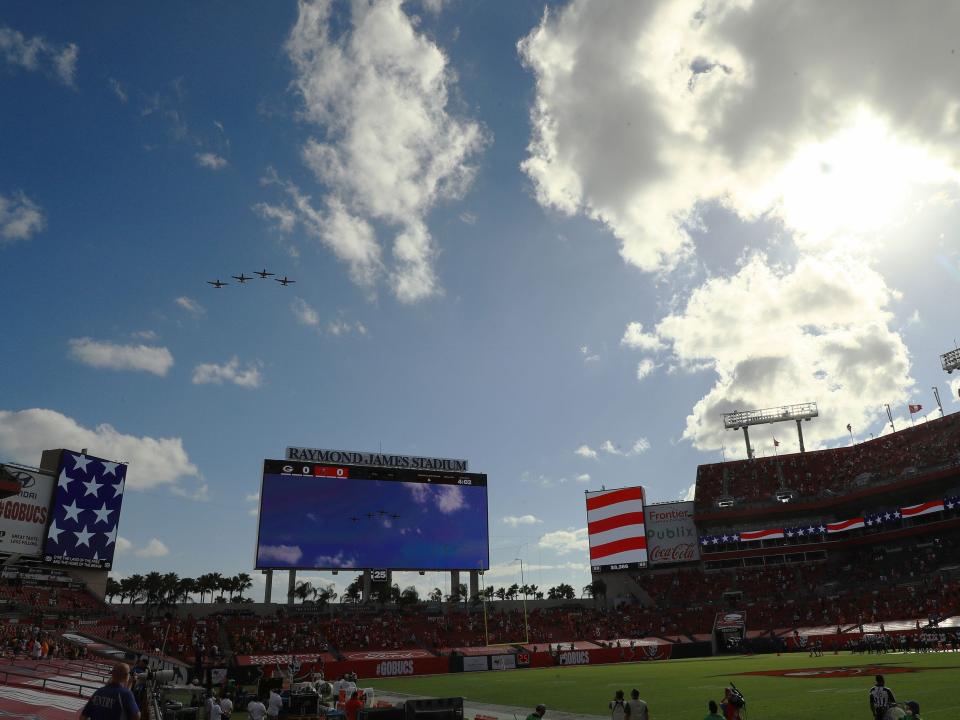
[{"x": 86, "y": 512}]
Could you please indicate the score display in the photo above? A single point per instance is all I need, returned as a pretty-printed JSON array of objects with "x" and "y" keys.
[{"x": 328, "y": 517}]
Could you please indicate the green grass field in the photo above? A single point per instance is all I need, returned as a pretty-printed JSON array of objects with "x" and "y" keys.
[{"x": 681, "y": 688}]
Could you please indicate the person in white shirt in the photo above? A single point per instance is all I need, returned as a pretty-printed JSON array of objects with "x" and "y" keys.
[
  {"x": 213, "y": 708},
  {"x": 256, "y": 709},
  {"x": 638, "y": 708},
  {"x": 226, "y": 708},
  {"x": 274, "y": 705}
]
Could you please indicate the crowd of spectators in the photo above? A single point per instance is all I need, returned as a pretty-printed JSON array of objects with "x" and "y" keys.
[
  {"x": 836, "y": 471},
  {"x": 51, "y": 599}
]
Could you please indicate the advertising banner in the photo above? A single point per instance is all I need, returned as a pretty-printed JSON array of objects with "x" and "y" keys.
[
  {"x": 475, "y": 663},
  {"x": 671, "y": 534},
  {"x": 504, "y": 662},
  {"x": 23, "y": 517}
]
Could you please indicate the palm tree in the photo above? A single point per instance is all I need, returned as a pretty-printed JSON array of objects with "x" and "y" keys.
[
  {"x": 513, "y": 591},
  {"x": 436, "y": 595},
  {"x": 186, "y": 587},
  {"x": 501, "y": 593},
  {"x": 325, "y": 595},
  {"x": 243, "y": 582},
  {"x": 409, "y": 596},
  {"x": 132, "y": 588},
  {"x": 170, "y": 589},
  {"x": 113, "y": 589},
  {"x": 304, "y": 590}
]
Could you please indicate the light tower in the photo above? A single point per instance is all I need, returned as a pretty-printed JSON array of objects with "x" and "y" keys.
[
  {"x": 951, "y": 360},
  {"x": 742, "y": 419}
]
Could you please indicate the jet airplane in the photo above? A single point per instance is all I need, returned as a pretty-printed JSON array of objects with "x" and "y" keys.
[
  {"x": 285, "y": 281},
  {"x": 241, "y": 278},
  {"x": 263, "y": 274},
  {"x": 216, "y": 283}
]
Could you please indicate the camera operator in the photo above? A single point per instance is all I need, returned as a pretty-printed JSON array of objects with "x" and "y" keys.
[{"x": 113, "y": 701}]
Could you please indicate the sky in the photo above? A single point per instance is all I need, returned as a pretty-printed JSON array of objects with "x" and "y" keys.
[{"x": 555, "y": 240}]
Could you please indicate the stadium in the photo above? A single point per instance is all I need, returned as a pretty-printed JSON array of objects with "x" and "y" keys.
[
  {"x": 488, "y": 360},
  {"x": 826, "y": 566}
]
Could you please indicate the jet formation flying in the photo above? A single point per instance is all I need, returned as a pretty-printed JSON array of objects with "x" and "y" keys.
[{"x": 242, "y": 279}]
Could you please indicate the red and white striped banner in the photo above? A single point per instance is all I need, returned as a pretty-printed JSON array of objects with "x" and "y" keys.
[
  {"x": 751, "y": 535},
  {"x": 615, "y": 526},
  {"x": 845, "y": 525},
  {"x": 922, "y": 509}
]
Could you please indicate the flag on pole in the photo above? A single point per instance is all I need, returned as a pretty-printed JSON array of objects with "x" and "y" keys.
[
  {"x": 915, "y": 408},
  {"x": 845, "y": 525},
  {"x": 849, "y": 428},
  {"x": 776, "y": 443},
  {"x": 922, "y": 509}
]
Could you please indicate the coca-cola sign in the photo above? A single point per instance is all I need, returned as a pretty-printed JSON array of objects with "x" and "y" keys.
[{"x": 671, "y": 534}]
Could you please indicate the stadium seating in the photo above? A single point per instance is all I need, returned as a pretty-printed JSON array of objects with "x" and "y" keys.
[{"x": 825, "y": 473}]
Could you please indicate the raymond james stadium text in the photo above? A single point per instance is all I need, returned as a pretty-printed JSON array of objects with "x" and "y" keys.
[{"x": 340, "y": 457}]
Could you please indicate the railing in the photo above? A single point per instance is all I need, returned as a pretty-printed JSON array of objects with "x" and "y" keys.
[{"x": 56, "y": 685}]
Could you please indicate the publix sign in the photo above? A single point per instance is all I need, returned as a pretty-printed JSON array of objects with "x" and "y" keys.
[{"x": 671, "y": 534}]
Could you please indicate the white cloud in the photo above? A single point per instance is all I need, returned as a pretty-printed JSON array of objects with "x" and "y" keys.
[
  {"x": 585, "y": 451},
  {"x": 102, "y": 354},
  {"x": 191, "y": 306},
  {"x": 37, "y": 53},
  {"x": 635, "y": 337},
  {"x": 512, "y": 569},
  {"x": 588, "y": 357},
  {"x": 515, "y": 521},
  {"x": 339, "y": 326},
  {"x": 286, "y": 554},
  {"x": 211, "y": 161},
  {"x": 689, "y": 106},
  {"x": 565, "y": 541},
  {"x": 153, "y": 549},
  {"x": 123, "y": 545},
  {"x": 283, "y": 216},
  {"x": 229, "y": 372},
  {"x": 339, "y": 560},
  {"x": 449, "y": 498},
  {"x": 305, "y": 314},
  {"x": 640, "y": 446},
  {"x": 685, "y": 104},
  {"x": 145, "y": 334},
  {"x": 117, "y": 88},
  {"x": 611, "y": 449},
  {"x": 390, "y": 150},
  {"x": 955, "y": 389},
  {"x": 20, "y": 218},
  {"x": 645, "y": 367},
  {"x": 583, "y": 477},
  {"x": 153, "y": 462},
  {"x": 816, "y": 332}
]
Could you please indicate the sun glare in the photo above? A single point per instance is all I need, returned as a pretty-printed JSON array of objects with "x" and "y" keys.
[{"x": 858, "y": 184}]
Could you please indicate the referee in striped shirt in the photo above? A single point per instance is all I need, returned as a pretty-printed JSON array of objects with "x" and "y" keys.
[{"x": 881, "y": 698}]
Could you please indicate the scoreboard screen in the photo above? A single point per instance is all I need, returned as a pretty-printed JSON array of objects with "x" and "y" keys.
[{"x": 328, "y": 517}]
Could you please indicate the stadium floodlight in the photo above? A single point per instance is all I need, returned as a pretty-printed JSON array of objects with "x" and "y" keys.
[
  {"x": 951, "y": 360},
  {"x": 743, "y": 419}
]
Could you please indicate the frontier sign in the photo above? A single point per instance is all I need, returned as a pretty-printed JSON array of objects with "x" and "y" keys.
[{"x": 351, "y": 457}]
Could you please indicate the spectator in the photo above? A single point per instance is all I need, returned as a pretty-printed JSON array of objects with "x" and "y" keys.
[
  {"x": 913, "y": 709},
  {"x": 713, "y": 714},
  {"x": 113, "y": 701},
  {"x": 353, "y": 706},
  {"x": 637, "y": 708},
  {"x": 274, "y": 705},
  {"x": 619, "y": 710},
  {"x": 538, "y": 712},
  {"x": 256, "y": 710}
]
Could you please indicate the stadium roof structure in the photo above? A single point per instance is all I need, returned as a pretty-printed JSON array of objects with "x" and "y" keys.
[
  {"x": 742, "y": 419},
  {"x": 951, "y": 360}
]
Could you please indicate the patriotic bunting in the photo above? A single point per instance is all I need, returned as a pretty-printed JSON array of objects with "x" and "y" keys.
[
  {"x": 816, "y": 531},
  {"x": 922, "y": 509}
]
